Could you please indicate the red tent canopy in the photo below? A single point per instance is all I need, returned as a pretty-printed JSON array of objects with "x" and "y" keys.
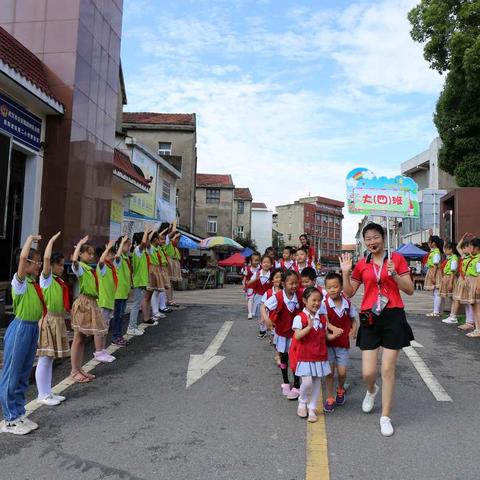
[{"x": 236, "y": 260}]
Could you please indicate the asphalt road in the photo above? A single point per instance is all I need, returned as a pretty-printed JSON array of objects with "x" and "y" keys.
[{"x": 138, "y": 421}]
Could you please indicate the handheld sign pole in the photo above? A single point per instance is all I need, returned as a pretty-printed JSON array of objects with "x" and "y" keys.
[{"x": 389, "y": 253}]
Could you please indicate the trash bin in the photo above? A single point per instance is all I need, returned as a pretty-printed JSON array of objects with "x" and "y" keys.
[{"x": 220, "y": 277}]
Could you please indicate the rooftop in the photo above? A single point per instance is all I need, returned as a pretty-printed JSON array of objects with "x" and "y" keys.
[
  {"x": 122, "y": 162},
  {"x": 16, "y": 58},
  {"x": 152, "y": 118},
  {"x": 214, "y": 180},
  {"x": 258, "y": 205},
  {"x": 243, "y": 194}
]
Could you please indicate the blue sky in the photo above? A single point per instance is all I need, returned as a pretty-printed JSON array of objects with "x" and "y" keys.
[{"x": 289, "y": 95}]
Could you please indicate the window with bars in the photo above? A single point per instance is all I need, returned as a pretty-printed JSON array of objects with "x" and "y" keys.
[
  {"x": 212, "y": 224},
  {"x": 213, "y": 195},
  {"x": 164, "y": 148},
  {"x": 166, "y": 191}
]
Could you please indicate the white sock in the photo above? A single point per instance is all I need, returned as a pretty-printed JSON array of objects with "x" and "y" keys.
[
  {"x": 250, "y": 306},
  {"x": 155, "y": 301},
  {"x": 162, "y": 298},
  {"x": 316, "y": 388},
  {"x": 43, "y": 376},
  {"x": 469, "y": 314},
  {"x": 437, "y": 301},
  {"x": 305, "y": 388}
]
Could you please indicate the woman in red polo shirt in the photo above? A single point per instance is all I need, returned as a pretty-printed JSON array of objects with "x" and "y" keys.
[
  {"x": 305, "y": 242},
  {"x": 382, "y": 318}
]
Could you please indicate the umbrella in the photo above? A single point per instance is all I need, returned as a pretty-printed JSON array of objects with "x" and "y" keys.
[
  {"x": 236, "y": 260},
  {"x": 212, "y": 242},
  {"x": 411, "y": 251},
  {"x": 246, "y": 252},
  {"x": 186, "y": 242}
]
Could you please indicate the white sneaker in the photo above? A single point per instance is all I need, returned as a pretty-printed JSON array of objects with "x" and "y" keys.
[
  {"x": 60, "y": 398},
  {"x": 135, "y": 332},
  {"x": 159, "y": 315},
  {"x": 48, "y": 400},
  {"x": 250, "y": 316},
  {"x": 369, "y": 400},
  {"x": 386, "y": 427},
  {"x": 17, "y": 427},
  {"x": 450, "y": 319},
  {"x": 28, "y": 423},
  {"x": 103, "y": 357}
]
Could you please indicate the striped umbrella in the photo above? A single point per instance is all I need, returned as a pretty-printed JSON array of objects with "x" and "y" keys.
[{"x": 212, "y": 242}]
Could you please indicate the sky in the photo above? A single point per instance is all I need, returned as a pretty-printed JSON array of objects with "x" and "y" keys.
[{"x": 290, "y": 95}]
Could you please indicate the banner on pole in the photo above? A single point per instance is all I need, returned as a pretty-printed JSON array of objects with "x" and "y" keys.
[{"x": 368, "y": 194}]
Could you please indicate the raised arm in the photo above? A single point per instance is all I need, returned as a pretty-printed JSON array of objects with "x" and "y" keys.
[
  {"x": 24, "y": 254},
  {"x": 108, "y": 247},
  {"x": 76, "y": 253},
  {"x": 460, "y": 243},
  {"x": 346, "y": 263},
  {"x": 48, "y": 254},
  {"x": 120, "y": 247}
]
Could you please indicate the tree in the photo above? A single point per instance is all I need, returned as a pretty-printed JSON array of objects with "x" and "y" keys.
[
  {"x": 246, "y": 242},
  {"x": 450, "y": 31}
]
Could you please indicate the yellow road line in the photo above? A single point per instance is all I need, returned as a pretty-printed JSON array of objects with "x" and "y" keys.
[{"x": 317, "y": 448}]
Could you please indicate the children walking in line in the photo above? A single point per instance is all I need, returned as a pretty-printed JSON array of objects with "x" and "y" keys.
[
  {"x": 125, "y": 279},
  {"x": 309, "y": 352},
  {"x": 433, "y": 279},
  {"x": 341, "y": 314},
  {"x": 284, "y": 306},
  {"x": 52, "y": 341},
  {"x": 20, "y": 342},
  {"x": 260, "y": 283},
  {"x": 87, "y": 318}
]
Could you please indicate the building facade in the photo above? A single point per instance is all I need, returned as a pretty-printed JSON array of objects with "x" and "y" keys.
[
  {"x": 262, "y": 226},
  {"x": 433, "y": 183},
  {"x": 214, "y": 206},
  {"x": 174, "y": 138},
  {"x": 242, "y": 213},
  {"x": 320, "y": 218}
]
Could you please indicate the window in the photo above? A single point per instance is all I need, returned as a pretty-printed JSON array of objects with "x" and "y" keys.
[
  {"x": 212, "y": 224},
  {"x": 240, "y": 232},
  {"x": 166, "y": 191},
  {"x": 213, "y": 195},
  {"x": 289, "y": 236},
  {"x": 241, "y": 206},
  {"x": 164, "y": 148}
]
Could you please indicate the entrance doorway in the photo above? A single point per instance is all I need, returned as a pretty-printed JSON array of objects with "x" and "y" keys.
[{"x": 11, "y": 242}]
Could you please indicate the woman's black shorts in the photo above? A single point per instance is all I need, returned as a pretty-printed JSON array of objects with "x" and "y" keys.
[{"x": 390, "y": 330}]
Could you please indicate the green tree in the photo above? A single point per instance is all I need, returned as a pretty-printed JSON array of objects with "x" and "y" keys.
[
  {"x": 450, "y": 32},
  {"x": 246, "y": 242}
]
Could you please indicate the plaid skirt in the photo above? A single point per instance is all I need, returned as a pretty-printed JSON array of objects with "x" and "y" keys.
[
  {"x": 444, "y": 286},
  {"x": 87, "y": 317},
  {"x": 432, "y": 281},
  {"x": 52, "y": 339},
  {"x": 469, "y": 296},
  {"x": 155, "y": 278},
  {"x": 174, "y": 270}
]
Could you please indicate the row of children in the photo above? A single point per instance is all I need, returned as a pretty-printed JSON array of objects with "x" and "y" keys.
[
  {"x": 312, "y": 326},
  {"x": 454, "y": 272},
  {"x": 41, "y": 302}
]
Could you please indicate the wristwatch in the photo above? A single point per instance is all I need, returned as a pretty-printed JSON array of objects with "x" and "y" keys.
[{"x": 394, "y": 274}]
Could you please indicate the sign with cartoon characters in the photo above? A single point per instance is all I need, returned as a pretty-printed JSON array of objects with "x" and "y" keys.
[{"x": 368, "y": 194}]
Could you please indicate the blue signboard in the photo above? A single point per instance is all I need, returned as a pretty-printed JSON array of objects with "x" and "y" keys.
[{"x": 20, "y": 123}]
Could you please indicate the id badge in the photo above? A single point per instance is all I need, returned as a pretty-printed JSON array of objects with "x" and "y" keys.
[{"x": 380, "y": 304}]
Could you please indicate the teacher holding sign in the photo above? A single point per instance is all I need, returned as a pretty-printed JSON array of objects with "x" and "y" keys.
[{"x": 382, "y": 316}]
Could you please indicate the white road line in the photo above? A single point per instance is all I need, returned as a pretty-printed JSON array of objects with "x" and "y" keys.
[
  {"x": 67, "y": 382},
  {"x": 427, "y": 376},
  {"x": 415, "y": 344},
  {"x": 220, "y": 337}
]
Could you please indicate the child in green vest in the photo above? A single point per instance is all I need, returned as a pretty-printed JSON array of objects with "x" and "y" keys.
[
  {"x": 433, "y": 278},
  {"x": 159, "y": 262},
  {"x": 52, "y": 341},
  {"x": 125, "y": 279},
  {"x": 472, "y": 271},
  {"x": 174, "y": 257},
  {"x": 107, "y": 286},
  {"x": 476, "y": 305},
  {"x": 87, "y": 318},
  {"x": 462, "y": 291},
  {"x": 20, "y": 342}
]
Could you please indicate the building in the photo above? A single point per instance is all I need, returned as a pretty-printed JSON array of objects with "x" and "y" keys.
[
  {"x": 79, "y": 46},
  {"x": 433, "y": 183},
  {"x": 320, "y": 218},
  {"x": 261, "y": 226},
  {"x": 173, "y": 136},
  {"x": 242, "y": 213},
  {"x": 214, "y": 210},
  {"x": 27, "y": 104}
]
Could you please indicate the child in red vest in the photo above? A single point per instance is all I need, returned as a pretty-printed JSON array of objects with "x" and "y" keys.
[
  {"x": 308, "y": 352},
  {"x": 286, "y": 262},
  {"x": 276, "y": 287},
  {"x": 260, "y": 282},
  {"x": 283, "y": 308},
  {"x": 342, "y": 314},
  {"x": 248, "y": 271}
]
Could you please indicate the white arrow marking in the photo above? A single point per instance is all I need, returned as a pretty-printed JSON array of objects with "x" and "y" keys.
[
  {"x": 427, "y": 376},
  {"x": 415, "y": 344},
  {"x": 200, "y": 365}
]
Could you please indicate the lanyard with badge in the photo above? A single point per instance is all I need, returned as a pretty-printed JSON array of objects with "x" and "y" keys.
[{"x": 382, "y": 299}]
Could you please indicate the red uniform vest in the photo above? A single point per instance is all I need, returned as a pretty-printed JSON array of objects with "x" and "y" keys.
[
  {"x": 282, "y": 317},
  {"x": 312, "y": 347},
  {"x": 307, "y": 264},
  {"x": 259, "y": 288},
  {"x": 344, "y": 322},
  {"x": 283, "y": 265}
]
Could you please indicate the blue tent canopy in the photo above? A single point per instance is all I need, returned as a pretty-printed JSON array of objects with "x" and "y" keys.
[
  {"x": 246, "y": 252},
  {"x": 409, "y": 250},
  {"x": 186, "y": 242}
]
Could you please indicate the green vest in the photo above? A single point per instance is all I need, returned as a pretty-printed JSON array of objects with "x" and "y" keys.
[
  {"x": 447, "y": 270},
  {"x": 28, "y": 306},
  {"x": 434, "y": 252},
  {"x": 153, "y": 255},
  {"x": 88, "y": 285},
  {"x": 472, "y": 266},
  {"x": 106, "y": 288},
  {"x": 124, "y": 279},
  {"x": 465, "y": 262},
  {"x": 140, "y": 269},
  {"x": 164, "y": 253},
  {"x": 53, "y": 296}
]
